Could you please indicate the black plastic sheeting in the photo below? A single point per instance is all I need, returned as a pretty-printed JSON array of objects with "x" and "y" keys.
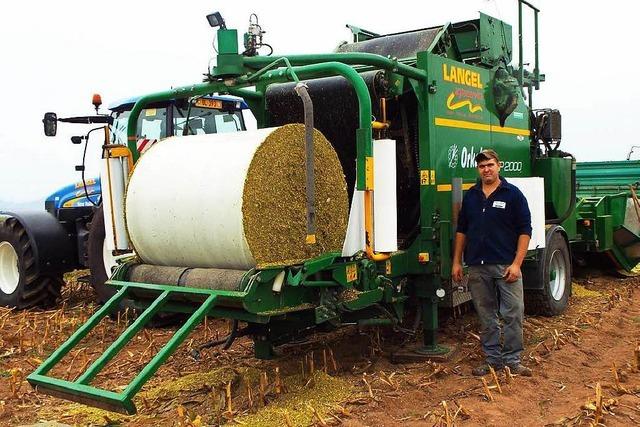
[{"x": 335, "y": 112}]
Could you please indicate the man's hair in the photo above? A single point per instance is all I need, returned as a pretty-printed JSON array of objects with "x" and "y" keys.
[{"x": 487, "y": 154}]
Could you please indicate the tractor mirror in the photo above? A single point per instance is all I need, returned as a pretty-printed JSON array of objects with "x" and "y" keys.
[{"x": 50, "y": 124}]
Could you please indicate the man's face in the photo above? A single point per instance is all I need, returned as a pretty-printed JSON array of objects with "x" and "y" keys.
[{"x": 489, "y": 171}]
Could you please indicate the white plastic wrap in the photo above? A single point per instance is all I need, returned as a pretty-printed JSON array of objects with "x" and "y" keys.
[{"x": 193, "y": 215}]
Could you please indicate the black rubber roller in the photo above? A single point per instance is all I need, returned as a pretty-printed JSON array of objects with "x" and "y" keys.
[{"x": 200, "y": 278}]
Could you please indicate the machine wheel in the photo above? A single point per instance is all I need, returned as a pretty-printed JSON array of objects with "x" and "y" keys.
[
  {"x": 554, "y": 271},
  {"x": 21, "y": 285},
  {"x": 100, "y": 261}
]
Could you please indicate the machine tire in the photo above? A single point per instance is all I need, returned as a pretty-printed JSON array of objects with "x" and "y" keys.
[
  {"x": 96, "y": 262},
  {"x": 554, "y": 272},
  {"x": 21, "y": 285}
]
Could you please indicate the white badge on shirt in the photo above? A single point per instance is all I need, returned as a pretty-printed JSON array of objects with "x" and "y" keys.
[{"x": 499, "y": 204}]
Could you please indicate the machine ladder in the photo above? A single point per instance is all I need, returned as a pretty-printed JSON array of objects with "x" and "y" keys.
[{"x": 81, "y": 390}]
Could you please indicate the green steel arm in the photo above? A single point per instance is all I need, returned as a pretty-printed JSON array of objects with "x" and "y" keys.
[
  {"x": 356, "y": 58},
  {"x": 363, "y": 136}
]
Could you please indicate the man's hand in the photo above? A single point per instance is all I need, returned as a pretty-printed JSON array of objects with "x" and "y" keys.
[
  {"x": 512, "y": 273},
  {"x": 456, "y": 272}
]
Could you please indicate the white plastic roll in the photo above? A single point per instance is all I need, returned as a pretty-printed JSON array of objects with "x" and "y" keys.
[
  {"x": 184, "y": 201},
  {"x": 112, "y": 178}
]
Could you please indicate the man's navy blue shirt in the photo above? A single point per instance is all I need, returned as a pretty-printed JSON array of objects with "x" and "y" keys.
[{"x": 492, "y": 225}]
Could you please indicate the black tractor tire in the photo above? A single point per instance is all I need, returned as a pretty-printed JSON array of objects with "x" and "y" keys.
[
  {"x": 21, "y": 284},
  {"x": 555, "y": 273},
  {"x": 95, "y": 248}
]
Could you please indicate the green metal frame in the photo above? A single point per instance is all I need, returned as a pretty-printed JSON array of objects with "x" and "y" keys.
[{"x": 80, "y": 390}]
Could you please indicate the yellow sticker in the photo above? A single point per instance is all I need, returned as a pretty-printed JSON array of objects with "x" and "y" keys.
[
  {"x": 387, "y": 267},
  {"x": 352, "y": 272},
  {"x": 433, "y": 177},
  {"x": 368, "y": 168},
  {"x": 209, "y": 103},
  {"x": 150, "y": 112},
  {"x": 424, "y": 177}
]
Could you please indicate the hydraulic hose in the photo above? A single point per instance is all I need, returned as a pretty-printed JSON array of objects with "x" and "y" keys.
[{"x": 303, "y": 93}]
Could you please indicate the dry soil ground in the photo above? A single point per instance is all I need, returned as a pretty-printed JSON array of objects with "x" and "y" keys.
[{"x": 344, "y": 377}]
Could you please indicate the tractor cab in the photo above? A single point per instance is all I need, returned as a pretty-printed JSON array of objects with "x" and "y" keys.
[{"x": 176, "y": 117}]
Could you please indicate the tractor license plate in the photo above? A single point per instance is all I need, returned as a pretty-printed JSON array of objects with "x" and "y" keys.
[{"x": 209, "y": 103}]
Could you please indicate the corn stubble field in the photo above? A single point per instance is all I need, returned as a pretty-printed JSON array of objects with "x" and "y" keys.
[{"x": 586, "y": 371}]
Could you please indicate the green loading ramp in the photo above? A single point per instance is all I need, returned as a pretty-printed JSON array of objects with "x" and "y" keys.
[{"x": 81, "y": 389}]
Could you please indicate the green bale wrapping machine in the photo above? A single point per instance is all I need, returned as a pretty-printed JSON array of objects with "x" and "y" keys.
[{"x": 440, "y": 94}]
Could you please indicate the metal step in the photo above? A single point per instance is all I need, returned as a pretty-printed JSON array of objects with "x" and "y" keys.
[{"x": 80, "y": 390}]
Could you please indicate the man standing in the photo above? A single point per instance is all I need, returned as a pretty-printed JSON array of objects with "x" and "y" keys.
[{"x": 494, "y": 229}]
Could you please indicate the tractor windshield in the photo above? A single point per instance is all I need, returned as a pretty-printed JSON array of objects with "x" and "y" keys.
[
  {"x": 205, "y": 120},
  {"x": 152, "y": 124},
  {"x": 205, "y": 117}
]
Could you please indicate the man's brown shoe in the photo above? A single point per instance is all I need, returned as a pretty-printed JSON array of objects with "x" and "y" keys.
[
  {"x": 518, "y": 369},
  {"x": 482, "y": 370}
]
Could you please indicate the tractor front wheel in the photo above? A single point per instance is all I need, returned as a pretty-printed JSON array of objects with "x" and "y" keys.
[{"x": 101, "y": 260}]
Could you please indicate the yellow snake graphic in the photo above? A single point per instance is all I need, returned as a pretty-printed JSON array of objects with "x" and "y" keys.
[{"x": 460, "y": 104}]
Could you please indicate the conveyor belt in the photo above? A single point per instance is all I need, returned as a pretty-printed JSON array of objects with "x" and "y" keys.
[{"x": 401, "y": 45}]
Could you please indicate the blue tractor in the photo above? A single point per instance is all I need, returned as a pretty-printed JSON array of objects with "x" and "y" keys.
[{"x": 38, "y": 247}]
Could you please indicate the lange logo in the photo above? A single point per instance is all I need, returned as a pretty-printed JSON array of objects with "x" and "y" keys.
[
  {"x": 452, "y": 156},
  {"x": 462, "y": 76},
  {"x": 451, "y": 105}
]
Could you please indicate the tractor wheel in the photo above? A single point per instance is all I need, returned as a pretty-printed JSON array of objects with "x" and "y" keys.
[
  {"x": 21, "y": 285},
  {"x": 100, "y": 261},
  {"x": 554, "y": 271}
]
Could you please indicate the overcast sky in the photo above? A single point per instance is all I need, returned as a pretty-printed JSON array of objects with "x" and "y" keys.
[{"x": 55, "y": 55}]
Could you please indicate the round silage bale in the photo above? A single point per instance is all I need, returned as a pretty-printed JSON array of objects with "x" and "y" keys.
[
  {"x": 234, "y": 200},
  {"x": 276, "y": 183}
]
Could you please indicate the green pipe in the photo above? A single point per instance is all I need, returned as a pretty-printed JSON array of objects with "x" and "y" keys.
[
  {"x": 271, "y": 65},
  {"x": 247, "y": 94},
  {"x": 537, "y": 68},
  {"x": 520, "y": 55},
  {"x": 344, "y": 58},
  {"x": 363, "y": 134},
  {"x": 85, "y": 394}
]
